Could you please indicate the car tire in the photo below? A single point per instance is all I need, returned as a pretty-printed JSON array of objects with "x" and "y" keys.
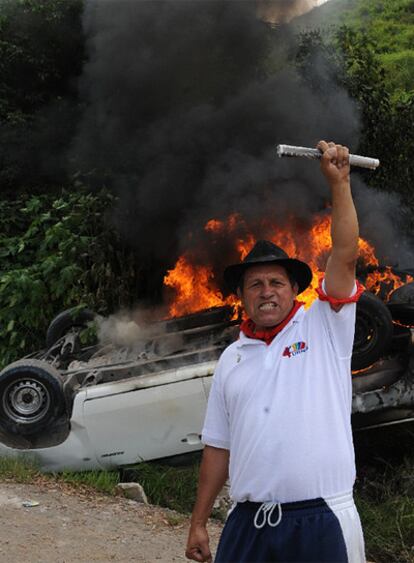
[
  {"x": 401, "y": 304},
  {"x": 373, "y": 331},
  {"x": 31, "y": 397},
  {"x": 71, "y": 319},
  {"x": 212, "y": 316}
]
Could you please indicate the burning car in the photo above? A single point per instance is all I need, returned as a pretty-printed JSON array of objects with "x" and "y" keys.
[
  {"x": 80, "y": 406},
  {"x": 85, "y": 407}
]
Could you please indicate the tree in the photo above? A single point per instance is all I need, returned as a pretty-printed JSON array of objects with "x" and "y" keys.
[
  {"x": 41, "y": 54},
  {"x": 387, "y": 125}
]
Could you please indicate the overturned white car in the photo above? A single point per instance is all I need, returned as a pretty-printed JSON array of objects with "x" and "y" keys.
[{"x": 86, "y": 407}]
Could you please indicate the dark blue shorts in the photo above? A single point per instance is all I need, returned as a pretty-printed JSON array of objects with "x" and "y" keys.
[{"x": 317, "y": 530}]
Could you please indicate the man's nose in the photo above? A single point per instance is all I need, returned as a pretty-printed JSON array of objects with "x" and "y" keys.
[{"x": 267, "y": 291}]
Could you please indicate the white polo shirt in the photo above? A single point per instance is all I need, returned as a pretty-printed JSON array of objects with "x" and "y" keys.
[{"x": 283, "y": 410}]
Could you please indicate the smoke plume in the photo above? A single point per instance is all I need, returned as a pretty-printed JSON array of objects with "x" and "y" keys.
[{"x": 185, "y": 104}]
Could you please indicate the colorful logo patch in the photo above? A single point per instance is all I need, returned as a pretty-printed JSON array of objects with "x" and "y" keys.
[{"x": 295, "y": 349}]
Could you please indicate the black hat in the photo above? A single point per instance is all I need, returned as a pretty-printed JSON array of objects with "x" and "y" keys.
[{"x": 265, "y": 252}]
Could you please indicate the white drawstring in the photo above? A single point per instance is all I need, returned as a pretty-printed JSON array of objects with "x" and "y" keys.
[{"x": 266, "y": 509}]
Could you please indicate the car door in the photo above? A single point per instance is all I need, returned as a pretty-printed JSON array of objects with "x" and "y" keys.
[{"x": 134, "y": 421}]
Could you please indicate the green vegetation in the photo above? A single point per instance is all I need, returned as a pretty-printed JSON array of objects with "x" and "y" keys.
[
  {"x": 57, "y": 253},
  {"x": 18, "y": 469},
  {"x": 351, "y": 61},
  {"x": 389, "y": 22},
  {"x": 172, "y": 487},
  {"x": 388, "y": 525},
  {"x": 388, "y": 27},
  {"x": 385, "y": 492},
  {"x": 41, "y": 54},
  {"x": 102, "y": 481}
]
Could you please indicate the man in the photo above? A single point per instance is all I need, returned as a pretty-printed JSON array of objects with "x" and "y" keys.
[{"x": 278, "y": 416}]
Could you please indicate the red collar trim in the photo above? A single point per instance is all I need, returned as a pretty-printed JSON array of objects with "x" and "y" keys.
[{"x": 248, "y": 327}]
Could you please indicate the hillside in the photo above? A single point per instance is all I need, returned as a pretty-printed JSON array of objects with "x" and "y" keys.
[{"x": 389, "y": 26}]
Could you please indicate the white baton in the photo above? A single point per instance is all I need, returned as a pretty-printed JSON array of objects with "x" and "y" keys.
[{"x": 354, "y": 159}]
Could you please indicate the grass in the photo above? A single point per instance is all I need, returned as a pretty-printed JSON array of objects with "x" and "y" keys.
[
  {"x": 384, "y": 490},
  {"x": 388, "y": 528},
  {"x": 172, "y": 487},
  {"x": 103, "y": 481},
  {"x": 18, "y": 469}
]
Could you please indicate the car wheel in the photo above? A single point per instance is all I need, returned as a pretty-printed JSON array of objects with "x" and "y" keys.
[
  {"x": 214, "y": 315},
  {"x": 31, "y": 396},
  {"x": 401, "y": 304},
  {"x": 67, "y": 321},
  {"x": 373, "y": 331}
]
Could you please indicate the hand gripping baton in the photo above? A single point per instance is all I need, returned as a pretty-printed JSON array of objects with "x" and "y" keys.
[{"x": 354, "y": 159}]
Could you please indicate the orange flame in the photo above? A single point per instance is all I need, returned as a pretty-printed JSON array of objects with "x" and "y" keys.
[{"x": 195, "y": 287}]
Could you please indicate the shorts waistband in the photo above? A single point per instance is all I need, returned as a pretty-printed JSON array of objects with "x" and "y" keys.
[
  {"x": 270, "y": 513},
  {"x": 345, "y": 499}
]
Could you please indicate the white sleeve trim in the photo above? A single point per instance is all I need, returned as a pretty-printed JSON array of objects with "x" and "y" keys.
[
  {"x": 354, "y": 290},
  {"x": 215, "y": 442}
]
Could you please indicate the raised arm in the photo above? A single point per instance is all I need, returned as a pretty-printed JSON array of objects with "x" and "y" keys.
[
  {"x": 340, "y": 268},
  {"x": 213, "y": 474}
]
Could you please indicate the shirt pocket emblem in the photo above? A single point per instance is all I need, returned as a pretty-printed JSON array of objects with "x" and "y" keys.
[{"x": 295, "y": 349}]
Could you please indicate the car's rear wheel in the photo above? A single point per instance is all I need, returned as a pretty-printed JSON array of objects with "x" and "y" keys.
[
  {"x": 373, "y": 331},
  {"x": 71, "y": 320},
  {"x": 31, "y": 396}
]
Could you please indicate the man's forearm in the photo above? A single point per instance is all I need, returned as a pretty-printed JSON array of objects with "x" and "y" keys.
[
  {"x": 344, "y": 226},
  {"x": 340, "y": 268},
  {"x": 213, "y": 475}
]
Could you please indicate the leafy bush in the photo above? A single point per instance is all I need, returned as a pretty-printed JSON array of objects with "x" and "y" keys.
[
  {"x": 57, "y": 253},
  {"x": 388, "y": 26}
]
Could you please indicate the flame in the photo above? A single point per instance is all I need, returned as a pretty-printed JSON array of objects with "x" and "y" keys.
[
  {"x": 213, "y": 226},
  {"x": 195, "y": 287}
]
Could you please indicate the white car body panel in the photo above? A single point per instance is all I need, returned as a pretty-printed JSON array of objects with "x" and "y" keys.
[
  {"x": 148, "y": 423},
  {"x": 125, "y": 422}
]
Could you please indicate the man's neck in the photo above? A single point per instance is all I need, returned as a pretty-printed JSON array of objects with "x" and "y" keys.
[{"x": 267, "y": 334}]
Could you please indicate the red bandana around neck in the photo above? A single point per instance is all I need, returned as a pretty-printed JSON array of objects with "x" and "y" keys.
[{"x": 248, "y": 327}]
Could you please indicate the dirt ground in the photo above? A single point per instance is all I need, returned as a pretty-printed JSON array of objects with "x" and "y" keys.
[{"x": 70, "y": 525}]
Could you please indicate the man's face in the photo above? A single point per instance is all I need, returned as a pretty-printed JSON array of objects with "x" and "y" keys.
[{"x": 267, "y": 295}]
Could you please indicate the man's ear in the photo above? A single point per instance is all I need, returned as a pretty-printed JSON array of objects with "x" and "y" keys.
[{"x": 295, "y": 289}]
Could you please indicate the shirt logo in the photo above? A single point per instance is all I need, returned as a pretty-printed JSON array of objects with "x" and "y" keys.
[{"x": 295, "y": 349}]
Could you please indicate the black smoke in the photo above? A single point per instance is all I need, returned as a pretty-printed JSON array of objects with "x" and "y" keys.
[{"x": 186, "y": 101}]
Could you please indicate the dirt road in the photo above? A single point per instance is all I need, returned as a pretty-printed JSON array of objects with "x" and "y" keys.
[{"x": 77, "y": 525}]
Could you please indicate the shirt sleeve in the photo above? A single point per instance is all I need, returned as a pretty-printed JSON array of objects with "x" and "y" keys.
[
  {"x": 216, "y": 429},
  {"x": 340, "y": 324}
]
